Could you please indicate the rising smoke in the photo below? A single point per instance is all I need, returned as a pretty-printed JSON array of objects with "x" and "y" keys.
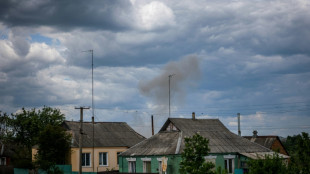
[{"x": 186, "y": 76}]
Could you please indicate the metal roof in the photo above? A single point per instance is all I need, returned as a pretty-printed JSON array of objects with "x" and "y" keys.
[
  {"x": 106, "y": 134},
  {"x": 221, "y": 140}
]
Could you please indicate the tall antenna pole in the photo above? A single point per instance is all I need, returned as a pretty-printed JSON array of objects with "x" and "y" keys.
[
  {"x": 92, "y": 104},
  {"x": 170, "y": 76}
]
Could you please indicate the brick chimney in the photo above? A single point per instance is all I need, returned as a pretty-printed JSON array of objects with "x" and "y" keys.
[{"x": 193, "y": 116}]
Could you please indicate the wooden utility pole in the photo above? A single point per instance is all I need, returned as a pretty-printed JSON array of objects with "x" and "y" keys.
[{"x": 81, "y": 136}]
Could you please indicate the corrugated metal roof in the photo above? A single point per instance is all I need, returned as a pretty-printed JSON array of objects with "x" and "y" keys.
[
  {"x": 221, "y": 140},
  {"x": 106, "y": 134}
]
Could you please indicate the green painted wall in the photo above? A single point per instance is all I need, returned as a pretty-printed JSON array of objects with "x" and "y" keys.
[{"x": 173, "y": 163}]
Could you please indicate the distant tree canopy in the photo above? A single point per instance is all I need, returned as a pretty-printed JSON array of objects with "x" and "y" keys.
[
  {"x": 298, "y": 147},
  {"x": 40, "y": 128},
  {"x": 193, "y": 162}
]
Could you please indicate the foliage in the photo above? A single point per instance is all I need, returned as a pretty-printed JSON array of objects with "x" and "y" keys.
[
  {"x": 53, "y": 148},
  {"x": 270, "y": 165},
  {"x": 193, "y": 162},
  {"x": 36, "y": 127},
  {"x": 219, "y": 170},
  {"x": 298, "y": 147}
]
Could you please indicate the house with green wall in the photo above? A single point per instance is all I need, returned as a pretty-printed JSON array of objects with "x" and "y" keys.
[{"x": 162, "y": 152}]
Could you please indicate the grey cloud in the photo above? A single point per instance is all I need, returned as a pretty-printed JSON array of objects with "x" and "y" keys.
[{"x": 96, "y": 14}]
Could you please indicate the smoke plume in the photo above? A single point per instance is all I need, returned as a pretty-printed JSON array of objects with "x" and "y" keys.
[{"x": 186, "y": 73}]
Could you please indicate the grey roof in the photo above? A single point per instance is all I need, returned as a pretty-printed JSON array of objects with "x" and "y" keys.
[
  {"x": 266, "y": 141},
  {"x": 221, "y": 140},
  {"x": 106, "y": 134}
]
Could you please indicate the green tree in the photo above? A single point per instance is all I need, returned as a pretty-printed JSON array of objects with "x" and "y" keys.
[
  {"x": 193, "y": 162},
  {"x": 270, "y": 165},
  {"x": 299, "y": 149},
  {"x": 36, "y": 127},
  {"x": 53, "y": 148}
]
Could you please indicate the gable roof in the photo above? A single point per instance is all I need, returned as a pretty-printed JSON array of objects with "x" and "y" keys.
[
  {"x": 221, "y": 140},
  {"x": 266, "y": 141},
  {"x": 106, "y": 134}
]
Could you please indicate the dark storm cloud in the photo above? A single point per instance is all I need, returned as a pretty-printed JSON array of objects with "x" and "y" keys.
[{"x": 95, "y": 14}]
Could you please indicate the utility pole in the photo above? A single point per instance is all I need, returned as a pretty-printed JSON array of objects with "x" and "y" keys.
[
  {"x": 92, "y": 107},
  {"x": 152, "y": 125},
  {"x": 239, "y": 130},
  {"x": 170, "y": 76},
  {"x": 81, "y": 137}
]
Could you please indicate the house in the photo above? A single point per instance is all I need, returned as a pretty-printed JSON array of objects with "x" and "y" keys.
[
  {"x": 227, "y": 150},
  {"x": 271, "y": 142},
  {"x": 110, "y": 139}
]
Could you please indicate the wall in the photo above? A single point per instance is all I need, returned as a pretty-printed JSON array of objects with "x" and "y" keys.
[
  {"x": 112, "y": 158},
  {"x": 174, "y": 162},
  {"x": 277, "y": 146}
]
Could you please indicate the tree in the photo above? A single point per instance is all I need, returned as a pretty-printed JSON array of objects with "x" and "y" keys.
[
  {"x": 299, "y": 149},
  {"x": 270, "y": 165},
  {"x": 193, "y": 162},
  {"x": 53, "y": 148},
  {"x": 43, "y": 129}
]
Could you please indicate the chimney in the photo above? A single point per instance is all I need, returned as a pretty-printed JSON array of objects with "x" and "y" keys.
[
  {"x": 193, "y": 116},
  {"x": 239, "y": 130},
  {"x": 152, "y": 125},
  {"x": 255, "y": 133}
]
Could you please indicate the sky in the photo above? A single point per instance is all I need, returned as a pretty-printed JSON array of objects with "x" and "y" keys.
[{"x": 224, "y": 57}]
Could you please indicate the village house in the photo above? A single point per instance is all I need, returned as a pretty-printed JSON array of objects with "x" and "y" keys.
[
  {"x": 227, "y": 150},
  {"x": 110, "y": 139},
  {"x": 271, "y": 142}
]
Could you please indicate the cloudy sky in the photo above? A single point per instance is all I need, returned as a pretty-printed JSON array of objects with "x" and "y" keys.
[{"x": 251, "y": 57}]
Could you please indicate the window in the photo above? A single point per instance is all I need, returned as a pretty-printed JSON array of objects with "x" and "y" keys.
[
  {"x": 160, "y": 169},
  {"x": 103, "y": 159},
  {"x": 229, "y": 163},
  {"x": 131, "y": 166},
  {"x": 146, "y": 166},
  {"x": 3, "y": 161},
  {"x": 211, "y": 159},
  {"x": 117, "y": 153},
  {"x": 86, "y": 159}
]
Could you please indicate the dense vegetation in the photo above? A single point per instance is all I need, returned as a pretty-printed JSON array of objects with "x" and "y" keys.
[
  {"x": 41, "y": 129},
  {"x": 298, "y": 147}
]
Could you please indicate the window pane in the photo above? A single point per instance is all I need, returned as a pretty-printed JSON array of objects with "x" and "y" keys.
[
  {"x": 148, "y": 166},
  {"x": 103, "y": 158},
  {"x": 230, "y": 165},
  {"x": 85, "y": 159}
]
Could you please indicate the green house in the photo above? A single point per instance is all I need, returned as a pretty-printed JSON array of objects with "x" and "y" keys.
[{"x": 227, "y": 150}]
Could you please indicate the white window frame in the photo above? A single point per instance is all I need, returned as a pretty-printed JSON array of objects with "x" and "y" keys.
[
  {"x": 145, "y": 161},
  {"x": 226, "y": 162},
  {"x": 107, "y": 158},
  {"x": 130, "y": 161},
  {"x": 2, "y": 161},
  {"x": 85, "y": 159},
  {"x": 160, "y": 169}
]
